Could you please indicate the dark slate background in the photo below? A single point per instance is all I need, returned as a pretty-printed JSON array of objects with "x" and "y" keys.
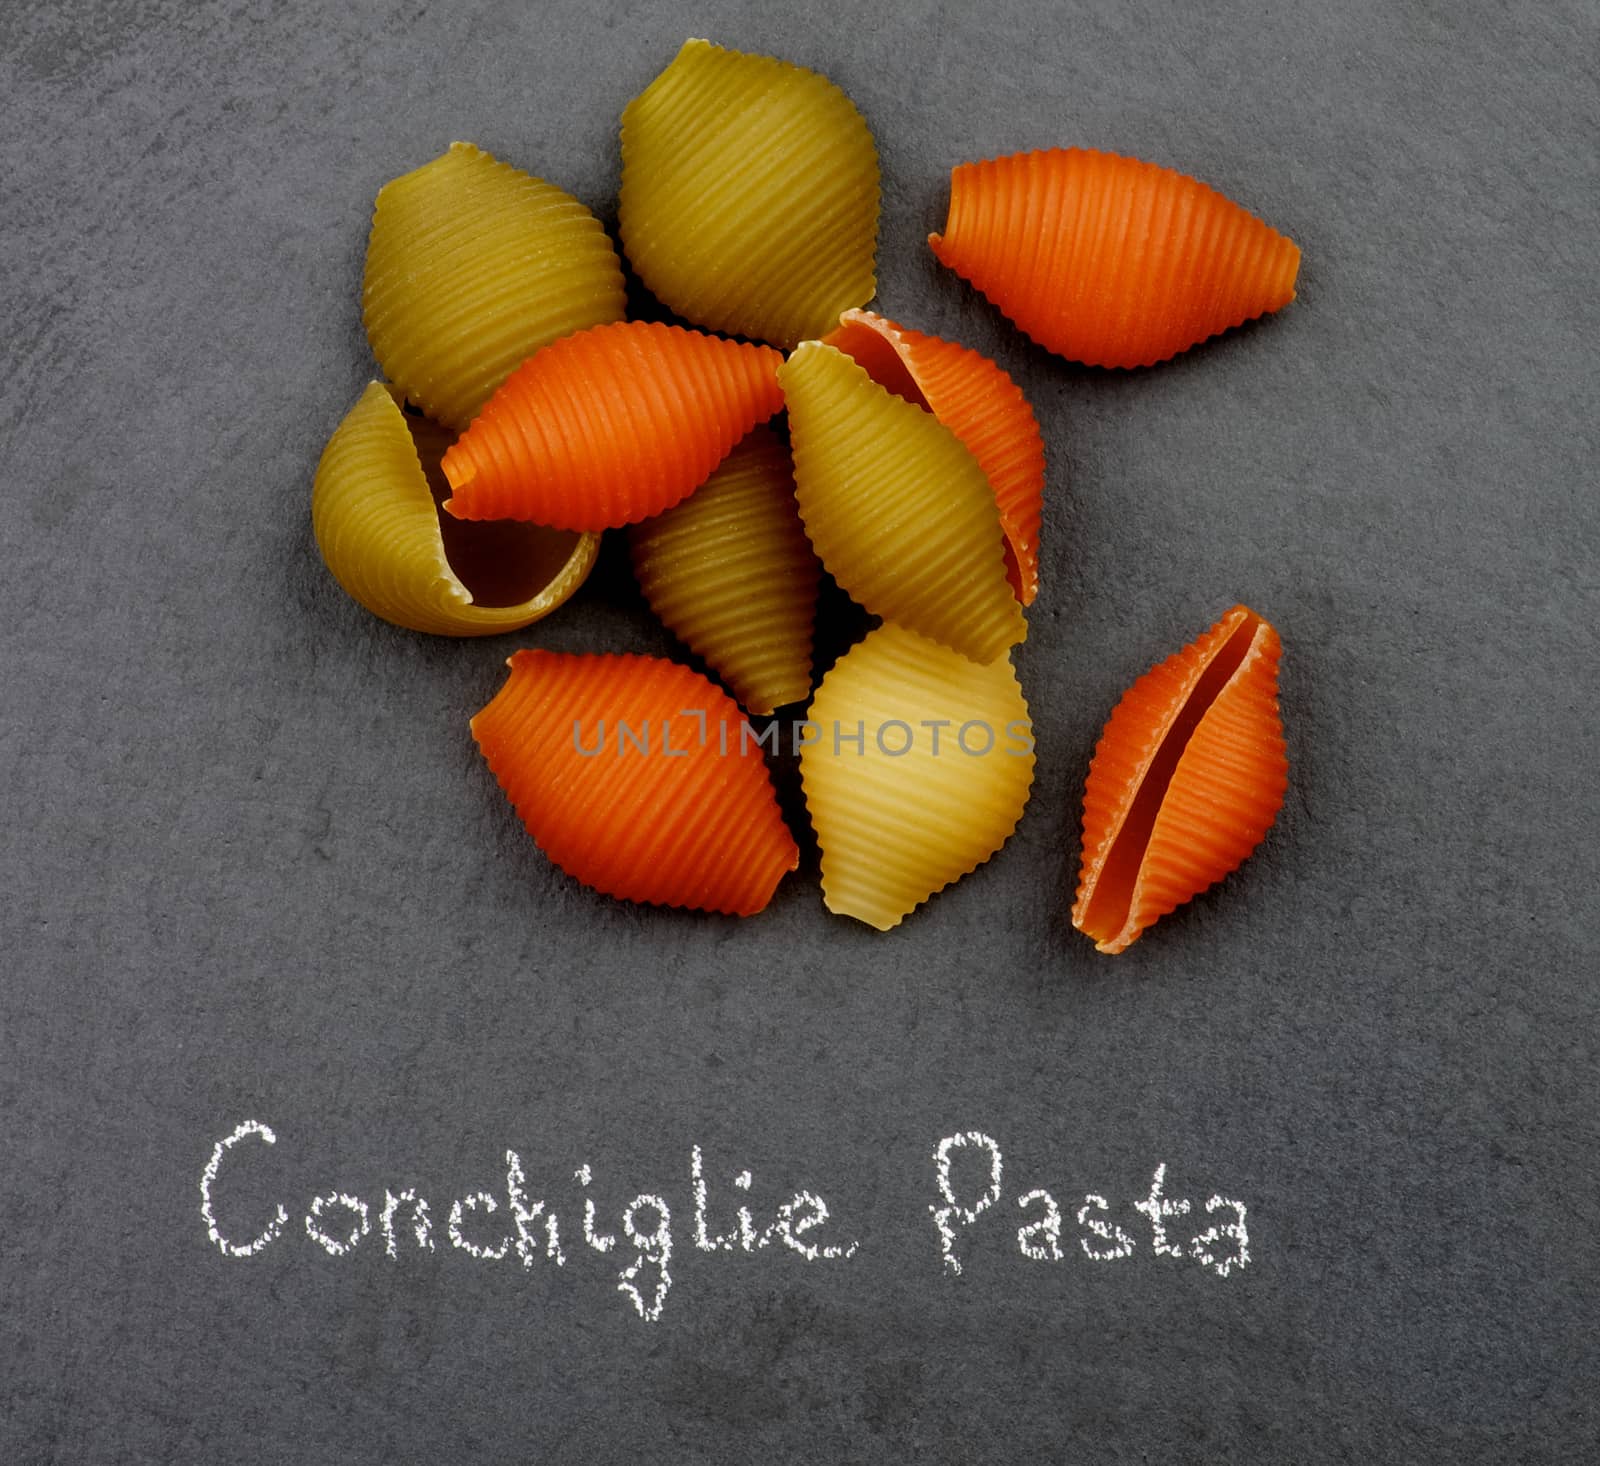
[{"x": 253, "y": 868}]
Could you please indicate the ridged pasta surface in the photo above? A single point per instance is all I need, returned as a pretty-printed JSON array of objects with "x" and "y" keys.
[
  {"x": 1187, "y": 778},
  {"x": 610, "y": 425},
  {"x": 1108, "y": 260},
  {"x": 899, "y": 511},
  {"x": 749, "y": 199},
  {"x": 731, "y": 573},
  {"x": 897, "y": 826},
  {"x": 604, "y": 761},
  {"x": 981, "y": 405},
  {"x": 472, "y": 266},
  {"x": 374, "y": 514}
]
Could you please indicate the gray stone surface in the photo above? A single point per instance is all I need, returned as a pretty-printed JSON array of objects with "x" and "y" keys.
[{"x": 253, "y": 868}]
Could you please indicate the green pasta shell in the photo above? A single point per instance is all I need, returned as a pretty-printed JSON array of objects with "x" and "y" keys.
[
  {"x": 374, "y": 511},
  {"x": 730, "y": 571},
  {"x": 749, "y": 199},
  {"x": 897, "y": 509},
  {"x": 472, "y": 266}
]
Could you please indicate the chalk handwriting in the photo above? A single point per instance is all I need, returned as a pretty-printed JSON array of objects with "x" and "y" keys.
[
  {"x": 730, "y": 1217},
  {"x": 517, "y": 1225},
  {"x": 952, "y": 1214},
  {"x": 208, "y": 1178},
  {"x": 1101, "y": 1239}
]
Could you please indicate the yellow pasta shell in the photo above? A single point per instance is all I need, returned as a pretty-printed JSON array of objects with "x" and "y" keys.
[
  {"x": 896, "y": 506},
  {"x": 897, "y": 826},
  {"x": 729, "y": 570},
  {"x": 374, "y": 512},
  {"x": 472, "y": 266},
  {"x": 749, "y": 200}
]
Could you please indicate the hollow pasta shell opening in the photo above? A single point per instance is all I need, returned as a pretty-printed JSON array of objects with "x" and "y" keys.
[
  {"x": 1188, "y": 777},
  {"x": 374, "y": 511},
  {"x": 977, "y": 400}
]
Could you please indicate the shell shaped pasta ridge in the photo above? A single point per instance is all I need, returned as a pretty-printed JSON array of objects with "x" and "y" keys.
[{"x": 979, "y": 402}]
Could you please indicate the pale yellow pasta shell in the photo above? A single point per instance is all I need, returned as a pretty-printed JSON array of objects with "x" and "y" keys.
[
  {"x": 749, "y": 199},
  {"x": 729, "y": 570},
  {"x": 900, "y": 512},
  {"x": 472, "y": 266},
  {"x": 902, "y": 809},
  {"x": 375, "y": 516}
]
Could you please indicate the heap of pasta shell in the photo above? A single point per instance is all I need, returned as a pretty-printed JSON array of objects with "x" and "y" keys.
[{"x": 749, "y": 205}]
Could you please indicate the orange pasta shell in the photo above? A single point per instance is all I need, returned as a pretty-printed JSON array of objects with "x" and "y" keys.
[
  {"x": 633, "y": 776},
  {"x": 1108, "y": 260},
  {"x": 1187, "y": 778},
  {"x": 610, "y": 425},
  {"x": 981, "y": 405}
]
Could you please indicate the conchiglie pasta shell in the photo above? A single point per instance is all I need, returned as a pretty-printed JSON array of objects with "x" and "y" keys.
[
  {"x": 897, "y": 827},
  {"x": 377, "y": 525},
  {"x": 472, "y": 266},
  {"x": 630, "y": 792},
  {"x": 981, "y": 405},
  {"x": 1108, "y": 260},
  {"x": 899, "y": 511},
  {"x": 1187, "y": 778},
  {"x": 731, "y": 573},
  {"x": 749, "y": 200},
  {"x": 610, "y": 425}
]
